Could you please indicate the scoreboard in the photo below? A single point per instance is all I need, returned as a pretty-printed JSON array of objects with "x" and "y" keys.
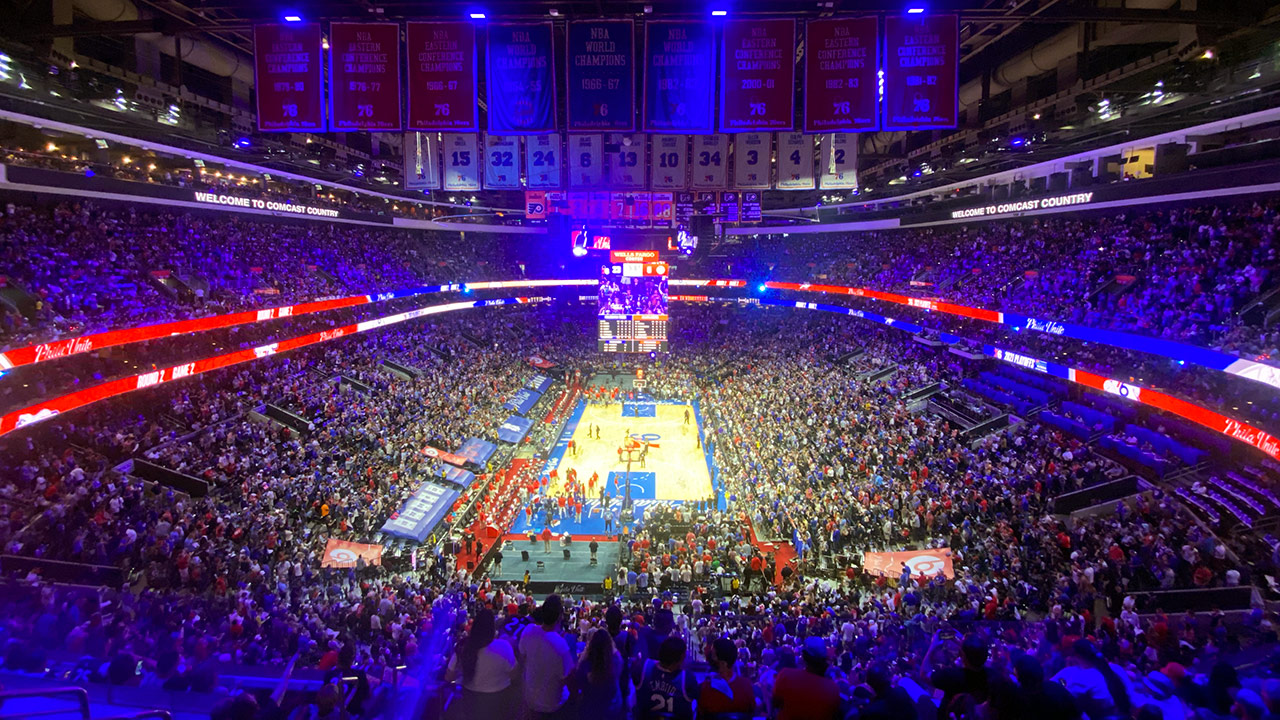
[{"x": 632, "y": 303}]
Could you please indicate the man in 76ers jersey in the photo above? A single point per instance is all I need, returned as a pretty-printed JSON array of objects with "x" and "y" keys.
[{"x": 666, "y": 691}]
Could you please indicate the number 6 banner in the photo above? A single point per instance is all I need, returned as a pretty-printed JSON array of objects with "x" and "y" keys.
[
  {"x": 501, "y": 162},
  {"x": 586, "y": 161},
  {"x": 461, "y": 162},
  {"x": 442, "y": 76},
  {"x": 542, "y": 161},
  {"x": 710, "y": 162},
  {"x": 795, "y": 161},
  {"x": 752, "y": 160}
]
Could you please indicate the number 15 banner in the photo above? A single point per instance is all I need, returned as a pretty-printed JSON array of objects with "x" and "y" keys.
[
  {"x": 442, "y": 76},
  {"x": 758, "y": 75},
  {"x": 461, "y": 161}
]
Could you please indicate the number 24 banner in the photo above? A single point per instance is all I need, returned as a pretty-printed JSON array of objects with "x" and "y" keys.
[{"x": 542, "y": 161}]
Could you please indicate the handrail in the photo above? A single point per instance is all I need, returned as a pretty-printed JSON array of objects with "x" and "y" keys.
[{"x": 81, "y": 695}]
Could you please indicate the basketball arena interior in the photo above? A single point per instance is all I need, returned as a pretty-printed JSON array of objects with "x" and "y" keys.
[{"x": 703, "y": 360}]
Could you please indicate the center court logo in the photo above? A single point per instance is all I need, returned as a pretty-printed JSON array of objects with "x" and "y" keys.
[{"x": 342, "y": 555}]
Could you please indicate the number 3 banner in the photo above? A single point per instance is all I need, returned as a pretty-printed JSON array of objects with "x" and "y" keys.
[
  {"x": 752, "y": 160},
  {"x": 461, "y": 162},
  {"x": 586, "y": 161},
  {"x": 710, "y": 162},
  {"x": 501, "y": 162},
  {"x": 542, "y": 160},
  {"x": 442, "y": 76}
]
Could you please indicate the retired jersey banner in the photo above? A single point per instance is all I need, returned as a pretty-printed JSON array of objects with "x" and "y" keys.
[
  {"x": 795, "y": 161},
  {"x": 679, "y": 71},
  {"x": 521, "y": 79},
  {"x": 442, "y": 76},
  {"x": 751, "y": 208},
  {"x": 921, "y": 81},
  {"x": 288, "y": 77},
  {"x": 626, "y": 161},
  {"x": 501, "y": 162},
  {"x": 752, "y": 160},
  {"x": 840, "y": 82},
  {"x": 364, "y": 76},
  {"x": 838, "y": 161},
  {"x": 928, "y": 562},
  {"x": 601, "y": 75},
  {"x": 661, "y": 209},
  {"x": 710, "y": 161},
  {"x": 461, "y": 152},
  {"x": 346, "y": 554},
  {"x": 421, "y": 161},
  {"x": 668, "y": 164},
  {"x": 542, "y": 161},
  {"x": 758, "y": 75},
  {"x": 586, "y": 161}
]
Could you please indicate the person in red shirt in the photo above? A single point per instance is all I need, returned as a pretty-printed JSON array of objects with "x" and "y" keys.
[
  {"x": 725, "y": 691},
  {"x": 807, "y": 694},
  {"x": 546, "y": 539}
]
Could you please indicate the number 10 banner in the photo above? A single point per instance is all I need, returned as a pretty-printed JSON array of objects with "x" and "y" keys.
[
  {"x": 501, "y": 162},
  {"x": 542, "y": 161},
  {"x": 758, "y": 75},
  {"x": 667, "y": 166}
]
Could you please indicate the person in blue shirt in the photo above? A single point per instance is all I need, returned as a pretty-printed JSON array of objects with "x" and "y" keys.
[{"x": 666, "y": 691}]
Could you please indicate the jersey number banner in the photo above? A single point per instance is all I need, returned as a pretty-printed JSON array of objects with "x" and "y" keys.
[
  {"x": 840, "y": 82},
  {"x": 364, "y": 76},
  {"x": 521, "y": 79},
  {"x": 661, "y": 209},
  {"x": 758, "y": 75},
  {"x": 461, "y": 161},
  {"x": 838, "y": 161},
  {"x": 586, "y": 161},
  {"x": 795, "y": 161},
  {"x": 920, "y": 72},
  {"x": 442, "y": 76},
  {"x": 710, "y": 161},
  {"x": 679, "y": 67},
  {"x": 626, "y": 161},
  {"x": 542, "y": 160},
  {"x": 668, "y": 164},
  {"x": 421, "y": 161},
  {"x": 752, "y": 160},
  {"x": 601, "y": 76},
  {"x": 501, "y": 162},
  {"x": 288, "y": 77}
]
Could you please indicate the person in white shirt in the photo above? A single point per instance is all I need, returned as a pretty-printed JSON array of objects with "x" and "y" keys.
[
  {"x": 547, "y": 663},
  {"x": 485, "y": 665}
]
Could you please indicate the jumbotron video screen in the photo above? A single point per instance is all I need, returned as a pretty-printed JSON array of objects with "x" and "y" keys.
[{"x": 632, "y": 300}]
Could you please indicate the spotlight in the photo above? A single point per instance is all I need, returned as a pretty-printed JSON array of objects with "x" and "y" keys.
[
  {"x": 579, "y": 251},
  {"x": 761, "y": 287},
  {"x": 915, "y": 11},
  {"x": 293, "y": 17},
  {"x": 478, "y": 16},
  {"x": 719, "y": 13}
]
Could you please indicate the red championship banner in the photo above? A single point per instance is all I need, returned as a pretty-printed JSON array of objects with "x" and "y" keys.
[
  {"x": 343, "y": 554},
  {"x": 442, "y": 76},
  {"x": 758, "y": 75},
  {"x": 921, "y": 81},
  {"x": 922, "y": 562},
  {"x": 840, "y": 83},
  {"x": 288, "y": 77},
  {"x": 448, "y": 457},
  {"x": 364, "y": 76}
]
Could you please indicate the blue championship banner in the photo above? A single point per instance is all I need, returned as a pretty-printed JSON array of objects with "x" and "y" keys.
[
  {"x": 680, "y": 65},
  {"x": 521, "y": 85},
  {"x": 514, "y": 429},
  {"x": 477, "y": 451},
  {"x": 421, "y": 512},
  {"x": 601, "y": 76},
  {"x": 522, "y": 401}
]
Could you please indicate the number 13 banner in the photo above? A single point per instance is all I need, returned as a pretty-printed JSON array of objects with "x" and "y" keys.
[
  {"x": 758, "y": 75},
  {"x": 542, "y": 161},
  {"x": 626, "y": 161},
  {"x": 501, "y": 162}
]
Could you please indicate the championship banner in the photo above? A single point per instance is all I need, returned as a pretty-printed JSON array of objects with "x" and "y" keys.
[
  {"x": 921, "y": 562},
  {"x": 461, "y": 161},
  {"x": 520, "y": 78},
  {"x": 752, "y": 160},
  {"x": 710, "y": 161},
  {"x": 751, "y": 207},
  {"x": 601, "y": 75},
  {"x": 288, "y": 77},
  {"x": 501, "y": 162},
  {"x": 667, "y": 165},
  {"x": 758, "y": 75},
  {"x": 542, "y": 160},
  {"x": 442, "y": 77},
  {"x": 838, "y": 161},
  {"x": 840, "y": 82},
  {"x": 729, "y": 206},
  {"x": 679, "y": 70},
  {"x": 795, "y": 161},
  {"x": 626, "y": 161},
  {"x": 421, "y": 512},
  {"x": 437, "y": 453},
  {"x": 535, "y": 204},
  {"x": 364, "y": 76},
  {"x": 586, "y": 161},
  {"x": 421, "y": 161},
  {"x": 344, "y": 554},
  {"x": 921, "y": 80},
  {"x": 661, "y": 209},
  {"x": 514, "y": 429}
]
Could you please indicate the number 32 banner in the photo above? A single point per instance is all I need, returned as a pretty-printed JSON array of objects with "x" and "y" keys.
[
  {"x": 758, "y": 75},
  {"x": 442, "y": 76},
  {"x": 501, "y": 162}
]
